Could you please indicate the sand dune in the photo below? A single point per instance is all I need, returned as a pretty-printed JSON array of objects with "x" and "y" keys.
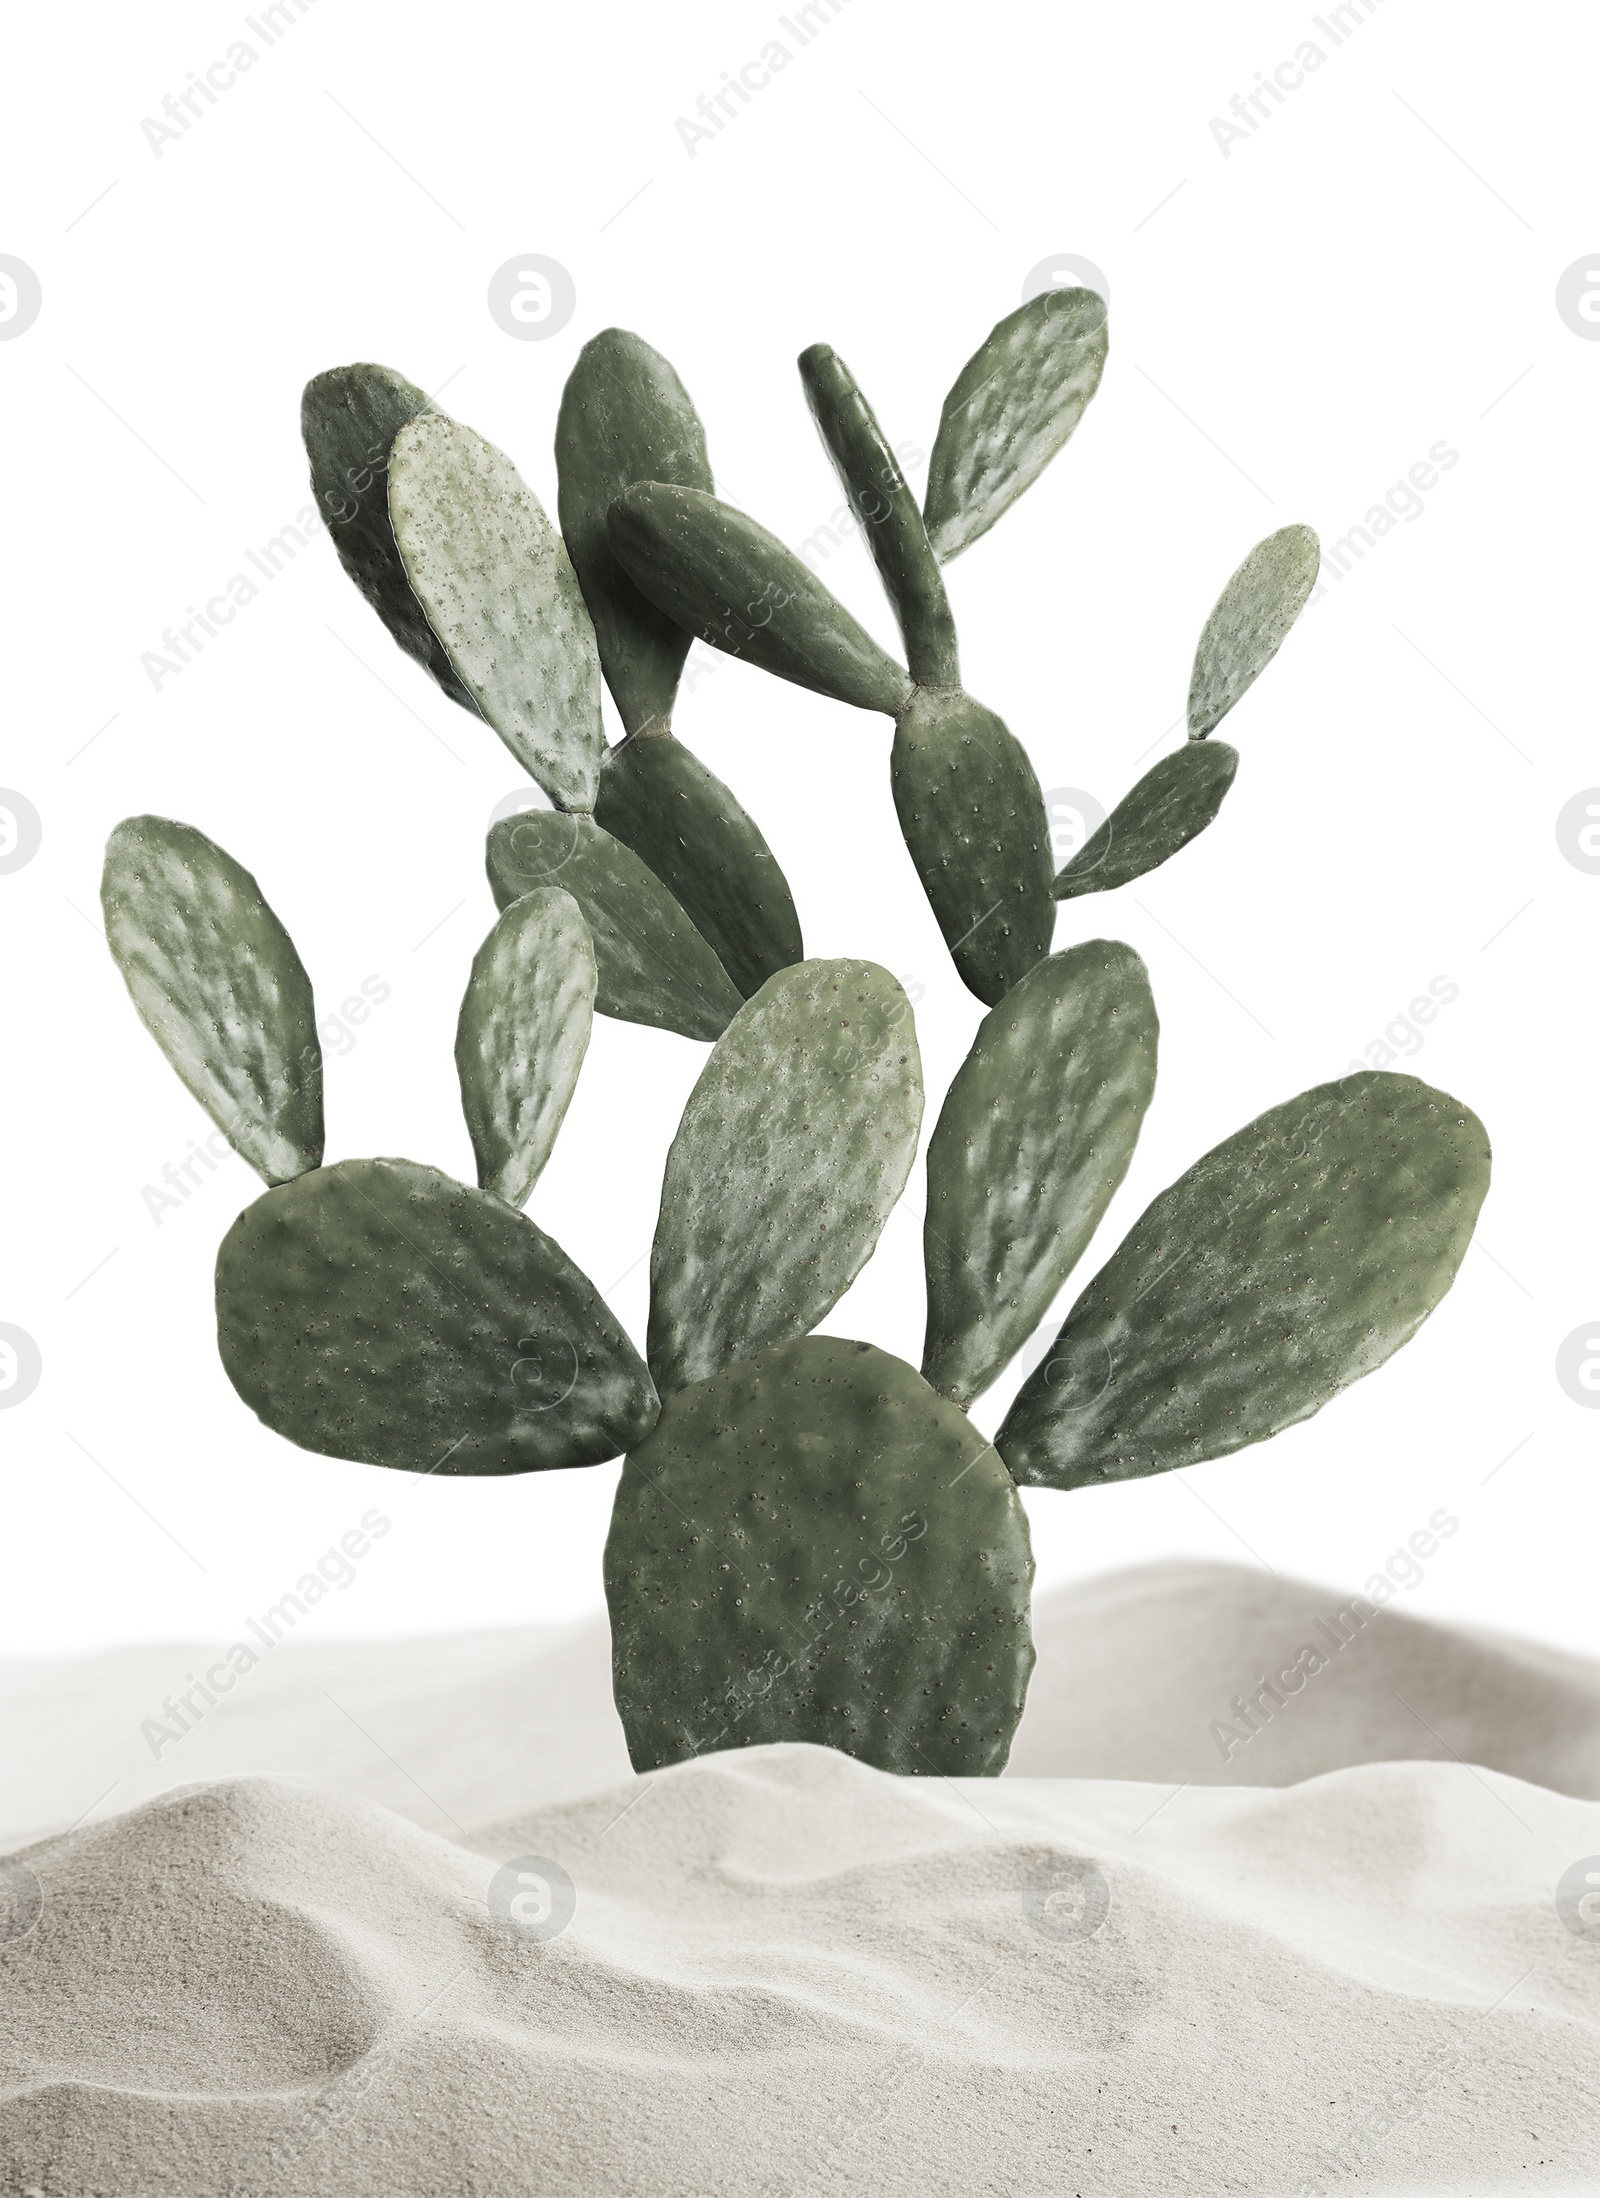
[
  {"x": 1133, "y": 1670},
  {"x": 786, "y": 1972},
  {"x": 1129, "y": 1967},
  {"x": 1137, "y": 1668}
]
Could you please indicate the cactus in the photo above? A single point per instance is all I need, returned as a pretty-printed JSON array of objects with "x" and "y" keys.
[{"x": 810, "y": 1539}]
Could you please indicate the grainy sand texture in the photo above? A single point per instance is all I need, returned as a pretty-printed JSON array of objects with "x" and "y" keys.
[{"x": 400, "y": 1920}]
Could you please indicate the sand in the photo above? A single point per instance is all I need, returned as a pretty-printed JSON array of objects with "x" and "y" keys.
[{"x": 1124, "y": 1969}]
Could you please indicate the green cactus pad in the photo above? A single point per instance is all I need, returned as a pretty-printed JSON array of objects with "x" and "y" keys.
[
  {"x": 1294, "y": 1258},
  {"x": 376, "y": 1310},
  {"x": 793, "y": 1148},
  {"x": 679, "y": 818},
  {"x": 652, "y": 965},
  {"x": 887, "y": 514},
  {"x": 815, "y": 1546},
  {"x": 522, "y": 1035},
  {"x": 1171, "y": 804},
  {"x": 1011, "y": 408},
  {"x": 726, "y": 579},
  {"x": 499, "y": 591},
  {"x": 625, "y": 417},
  {"x": 974, "y": 819},
  {"x": 1035, "y": 1135},
  {"x": 1247, "y": 627},
  {"x": 349, "y": 418},
  {"x": 219, "y": 987}
]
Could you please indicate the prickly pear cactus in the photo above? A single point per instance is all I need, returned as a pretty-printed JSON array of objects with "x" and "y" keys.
[{"x": 810, "y": 1539}]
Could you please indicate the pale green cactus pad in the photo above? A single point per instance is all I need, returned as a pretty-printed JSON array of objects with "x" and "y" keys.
[
  {"x": 376, "y": 1310},
  {"x": 1172, "y": 803},
  {"x": 652, "y": 965},
  {"x": 724, "y": 578},
  {"x": 793, "y": 1148},
  {"x": 349, "y": 418},
  {"x": 974, "y": 820},
  {"x": 625, "y": 417},
  {"x": 1249, "y": 622},
  {"x": 1295, "y": 1257},
  {"x": 681, "y": 820},
  {"x": 500, "y": 592},
  {"x": 814, "y": 1546},
  {"x": 521, "y": 1037},
  {"x": 1011, "y": 408},
  {"x": 886, "y": 512},
  {"x": 219, "y": 987},
  {"x": 1035, "y": 1135}
]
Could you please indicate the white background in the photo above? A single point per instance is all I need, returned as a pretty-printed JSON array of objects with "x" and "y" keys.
[{"x": 1294, "y": 325}]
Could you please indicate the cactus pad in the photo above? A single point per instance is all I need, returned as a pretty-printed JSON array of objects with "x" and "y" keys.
[
  {"x": 814, "y": 1546},
  {"x": 679, "y": 818},
  {"x": 1011, "y": 408},
  {"x": 1035, "y": 1135},
  {"x": 887, "y": 514},
  {"x": 974, "y": 820},
  {"x": 521, "y": 1037},
  {"x": 726, "y": 579},
  {"x": 625, "y": 417},
  {"x": 1295, "y": 1257},
  {"x": 219, "y": 987},
  {"x": 376, "y": 1310},
  {"x": 652, "y": 965},
  {"x": 1172, "y": 803},
  {"x": 499, "y": 591},
  {"x": 349, "y": 418},
  {"x": 1249, "y": 622},
  {"x": 794, "y": 1146}
]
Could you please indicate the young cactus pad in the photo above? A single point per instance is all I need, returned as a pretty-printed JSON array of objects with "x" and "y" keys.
[
  {"x": 813, "y": 1545},
  {"x": 1035, "y": 1134},
  {"x": 500, "y": 592},
  {"x": 521, "y": 1038},
  {"x": 219, "y": 987},
  {"x": 681, "y": 821},
  {"x": 1249, "y": 622},
  {"x": 1012, "y": 407},
  {"x": 792, "y": 1151},
  {"x": 1298, "y": 1255},
  {"x": 625, "y": 417},
  {"x": 1176, "y": 799},
  {"x": 652, "y": 965},
  {"x": 973, "y": 818},
  {"x": 726, "y": 579},
  {"x": 349, "y": 418}
]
